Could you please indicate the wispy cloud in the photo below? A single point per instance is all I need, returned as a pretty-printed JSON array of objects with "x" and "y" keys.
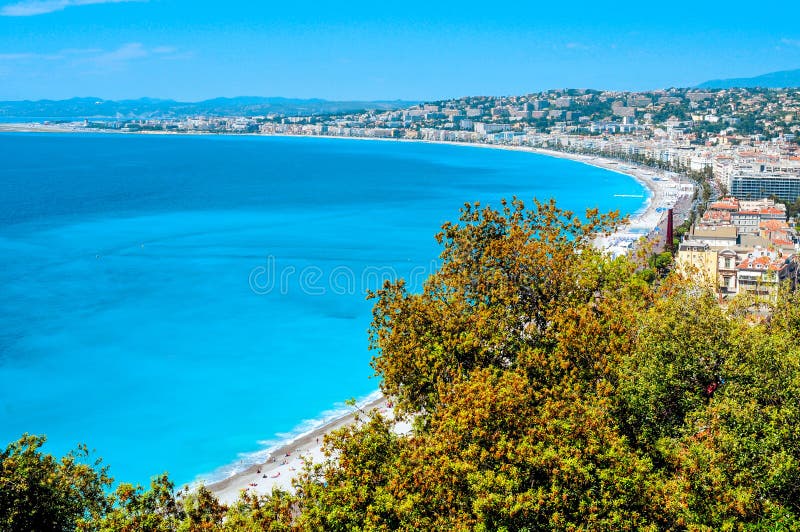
[
  {"x": 16, "y": 57},
  {"x": 123, "y": 54},
  {"x": 164, "y": 50},
  {"x": 575, "y": 46},
  {"x": 28, "y": 8},
  {"x": 791, "y": 42},
  {"x": 66, "y": 53},
  {"x": 61, "y": 54},
  {"x": 98, "y": 58}
]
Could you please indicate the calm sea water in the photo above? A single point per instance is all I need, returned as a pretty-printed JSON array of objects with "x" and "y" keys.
[{"x": 181, "y": 303}]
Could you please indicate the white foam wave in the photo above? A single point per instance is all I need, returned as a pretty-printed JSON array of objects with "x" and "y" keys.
[{"x": 245, "y": 460}]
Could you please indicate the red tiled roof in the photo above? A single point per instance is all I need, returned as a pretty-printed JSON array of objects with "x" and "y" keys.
[
  {"x": 724, "y": 205},
  {"x": 717, "y": 215},
  {"x": 773, "y": 225},
  {"x": 762, "y": 263}
]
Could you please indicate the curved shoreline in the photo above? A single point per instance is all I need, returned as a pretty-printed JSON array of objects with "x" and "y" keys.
[
  {"x": 647, "y": 218},
  {"x": 284, "y": 461},
  {"x": 309, "y": 443}
]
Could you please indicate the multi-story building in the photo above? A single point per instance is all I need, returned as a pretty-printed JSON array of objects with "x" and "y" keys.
[
  {"x": 746, "y": 221},
  {"x": 726, "y": 272},
  {"x": 763, "y": 272},
  {"x": 715, "y": 236},
  {"x": 697, "y": 260},
  {"x": 758, "y": 185}
]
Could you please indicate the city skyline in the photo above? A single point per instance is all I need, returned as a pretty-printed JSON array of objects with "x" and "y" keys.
[{"x": 119, "y": 49}]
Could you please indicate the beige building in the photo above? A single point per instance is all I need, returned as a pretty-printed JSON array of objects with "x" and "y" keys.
[
  {"x": 727, "y": 260},
  {"x": 697, "y": 261},
  {"x": 716, "y": 236}
]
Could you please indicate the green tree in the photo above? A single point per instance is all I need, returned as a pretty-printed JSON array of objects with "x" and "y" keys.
[
  {"x": 349, "y": 490},
  {"x": 135, "y": 509},
  {"x": 274, "y": 512},
  {"x": 41, "y": 493},
  {"x": 683, "y": 342},
  {"x": 503, "y": 275}
]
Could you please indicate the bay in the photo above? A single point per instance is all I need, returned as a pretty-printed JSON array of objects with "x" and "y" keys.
[{"x": 181, "y": 303}]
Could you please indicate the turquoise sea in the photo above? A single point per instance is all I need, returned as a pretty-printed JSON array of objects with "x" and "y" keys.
[{"x": 181, "y": 303}]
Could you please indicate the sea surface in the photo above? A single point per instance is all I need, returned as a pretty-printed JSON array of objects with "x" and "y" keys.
[{"x": 182, "y": 303}]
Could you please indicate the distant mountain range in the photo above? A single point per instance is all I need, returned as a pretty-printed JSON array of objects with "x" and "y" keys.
[
  {"x": 773, "y": 80},
  {"x": 155, "y": 108}
]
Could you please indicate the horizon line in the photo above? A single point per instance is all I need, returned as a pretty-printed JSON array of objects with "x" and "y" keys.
[{"x": 359, "y": 100}]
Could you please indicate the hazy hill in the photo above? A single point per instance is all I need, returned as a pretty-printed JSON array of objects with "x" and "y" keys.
[
  {"x": 773, "y": 80},
  {"x": 155, "y": 108}
]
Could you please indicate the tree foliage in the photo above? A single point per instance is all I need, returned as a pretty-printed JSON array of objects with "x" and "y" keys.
[
  {"x": 504, "y": 275},
  {"x": 39, "y": 492}
]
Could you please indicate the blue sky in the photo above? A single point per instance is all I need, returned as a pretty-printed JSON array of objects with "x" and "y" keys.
[{"x": 192, "y": 50}]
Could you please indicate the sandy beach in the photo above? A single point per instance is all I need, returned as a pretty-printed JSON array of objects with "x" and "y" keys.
[
  {"x": 284, "y": 462},
  {"x": 664, "y": 194}
]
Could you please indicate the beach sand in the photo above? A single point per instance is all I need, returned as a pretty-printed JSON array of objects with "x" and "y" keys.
[
  {"x": 648, "y": 218},
  {"x": 286, "y": 461}
]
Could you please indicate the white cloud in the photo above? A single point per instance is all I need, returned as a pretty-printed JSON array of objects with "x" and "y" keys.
[
  {"x": 123, "y": 54},
  {"x": 79, "y": 51},
  {"x": 164, "y": 50},
  {"x": 791, "y": 42},
  {"x": 16, "y": 57},
  {"x": 61, "y": 54},
  {"x": 97, "y": 59},
  {"x": 120, "y": 57},
  {"x": 27, "y": 8},
  {"x": 576, "y": 46}
]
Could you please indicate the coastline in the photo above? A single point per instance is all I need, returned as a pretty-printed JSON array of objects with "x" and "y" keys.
[{"x": 284, "y": 461}]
